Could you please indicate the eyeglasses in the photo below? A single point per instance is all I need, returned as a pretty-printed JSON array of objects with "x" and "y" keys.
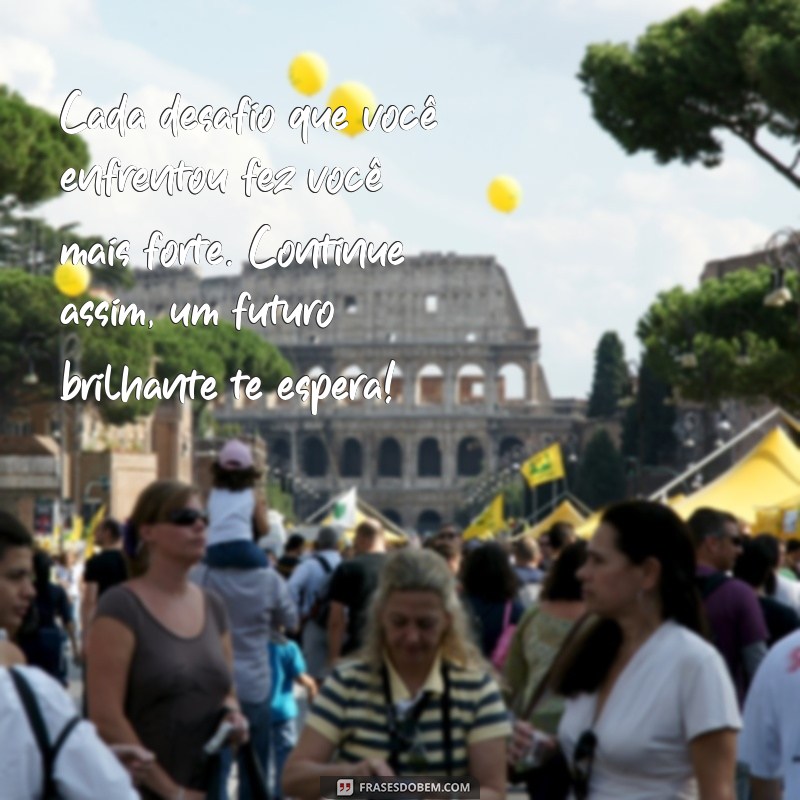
[
  {"x": 187, "y": 516},
  {"x": 582, "y": 761}
]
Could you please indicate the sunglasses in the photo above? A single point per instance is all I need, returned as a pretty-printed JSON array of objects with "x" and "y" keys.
[
  {"x": 582, "y": 762},
  {"x": 187, "y": 516}
]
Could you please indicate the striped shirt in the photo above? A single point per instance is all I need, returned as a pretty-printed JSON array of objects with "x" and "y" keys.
[{"x": 350, "y": 711}]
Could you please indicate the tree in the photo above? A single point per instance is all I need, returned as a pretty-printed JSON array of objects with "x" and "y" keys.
[
  {"x": 611, "y": 381},
  {"x": 698, "y": 74},
  {"x": 32, "y": 244},
  {"x": 601, "y": 478},
  {"x": 720, "y": 341},
  {"x": 34, "y": 151},
  {"x": 30, "y": 308},
  {"x": 647, "y": 433}
]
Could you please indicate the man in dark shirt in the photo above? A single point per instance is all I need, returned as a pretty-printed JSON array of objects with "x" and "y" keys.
[
  {"x": 352, "y": 585},
  {"x": 734, "y": 615},
  {"x": 106, "y": 569}
]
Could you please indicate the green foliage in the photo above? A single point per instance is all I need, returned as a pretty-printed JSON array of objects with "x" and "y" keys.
[
  {"x": 601, "y": 478},
  {"x": 647, "y": 430},
  {"x": 31, "y": 244},
  {"x": 743, "y": 348},
  {"x": 611, "y": 382},
  {"x": 697, "y": 74},
  {"x": 30, "y": 328},
  {"x": 34, "y": 151}
]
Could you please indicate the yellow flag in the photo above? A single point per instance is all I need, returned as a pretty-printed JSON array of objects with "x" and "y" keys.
[
  {"x": 488, "y": 522},
  {"x": 76, "y": 534},
  {"x": 544, "y": 466},
  {"x": 98, "y": 517}
]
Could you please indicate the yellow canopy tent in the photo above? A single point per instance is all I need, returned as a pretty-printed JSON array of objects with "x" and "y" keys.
[
  {"x": 565, "y": 511},
  {"x": 782, "y": 519},
  {"x": 764, "y": 478},
  {"x": 589, "y": 525}
]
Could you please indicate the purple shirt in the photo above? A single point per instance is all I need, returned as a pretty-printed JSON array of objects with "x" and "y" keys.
[{"x": 736, "y": 621}]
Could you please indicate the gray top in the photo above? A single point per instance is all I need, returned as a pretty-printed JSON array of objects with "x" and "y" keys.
[
  {"x": 258, "y": 602},
  {"x": 176, "y": 685}
]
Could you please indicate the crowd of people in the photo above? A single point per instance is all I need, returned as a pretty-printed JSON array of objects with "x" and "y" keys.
[{"x": 660, "y": 659}]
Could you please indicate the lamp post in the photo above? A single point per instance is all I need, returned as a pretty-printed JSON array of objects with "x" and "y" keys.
[
  {"x": 783, "y": 254},
  {"x": 71, "y": 280}
]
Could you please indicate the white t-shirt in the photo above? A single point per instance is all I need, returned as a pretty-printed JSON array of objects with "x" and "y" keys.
[
  {"x": 85, "y": 768},
  {"x": 770, "y": 740},
  {"x": 230, "y": 515},
  {"x": 787, "y": 592},
  {"x": 675, "y": 688}
]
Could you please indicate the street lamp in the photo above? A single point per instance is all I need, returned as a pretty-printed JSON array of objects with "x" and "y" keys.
[
  {"x": 71, "y": 280},
  {"x": 783, "y": 253}
]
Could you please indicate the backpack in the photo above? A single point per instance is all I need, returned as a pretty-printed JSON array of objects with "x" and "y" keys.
[
  {"x": 322, "y": 603},
  {"x": 503, "y": 644},
  {"x": 49, "y": 752}
]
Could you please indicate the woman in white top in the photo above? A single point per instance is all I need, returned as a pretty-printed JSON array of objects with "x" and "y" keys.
[{"x": 651, "y": 712}]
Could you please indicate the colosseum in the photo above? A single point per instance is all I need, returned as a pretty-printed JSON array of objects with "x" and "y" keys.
[{"x": 469, "y": 394}]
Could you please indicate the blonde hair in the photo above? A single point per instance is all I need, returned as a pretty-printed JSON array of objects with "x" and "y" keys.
[{"x": 413, "y": 570}]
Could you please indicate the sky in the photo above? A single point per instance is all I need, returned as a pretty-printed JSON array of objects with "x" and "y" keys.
[{"x": 598, "y": 233}]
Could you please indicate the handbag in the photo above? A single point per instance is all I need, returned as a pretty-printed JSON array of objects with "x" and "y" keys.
[
  {"x": 49, "y": 752},
  {"x": 553, "y": 779},
  {"x": 503, "y": 644}
]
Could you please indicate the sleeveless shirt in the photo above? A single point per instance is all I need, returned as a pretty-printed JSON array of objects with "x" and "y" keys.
[{"x": 176, "y": 685}]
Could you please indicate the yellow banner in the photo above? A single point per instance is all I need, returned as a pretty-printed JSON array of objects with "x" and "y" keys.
[
  {"x": 544, "y": 466},
  {"x": 488, "y": 522}
]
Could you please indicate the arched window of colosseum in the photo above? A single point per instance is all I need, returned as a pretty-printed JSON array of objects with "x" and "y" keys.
[
  {"x": 280, "y": 453},
  {"x": 392, "y": 515},
  {"x": 470, "y": 457},
  {"x": 470, "y": 385},
  {"x": 390, "y": 458},
  {"x": 353, "y": 371},
  {"x": 315, "y": 457},
  {"x": 429, "y": 458},
  {"x": 397, "y": 386},
  {"x": 430, "y": 386},
  {"x": 314, "y": 372},
  {"x": 352, "y": 461},
  {"x": 429, "y": 521},
  {"x": 510, "y": 384},
  {"x": 512, "y": 449}
]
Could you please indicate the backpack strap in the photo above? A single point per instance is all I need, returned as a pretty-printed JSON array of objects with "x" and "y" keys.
[
  {"x": 48, "y": 752},
  {"x": 34, "y": 714},
  {"x": 323, "y": 563}
]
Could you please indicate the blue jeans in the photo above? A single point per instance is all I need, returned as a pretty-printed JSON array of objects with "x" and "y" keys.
[
  {"x": 284, "y": 738},
  {"x": 258, "y": 716}
]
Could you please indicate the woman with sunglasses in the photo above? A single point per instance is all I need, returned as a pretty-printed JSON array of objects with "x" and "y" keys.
[
  {"x": 418, "y": 698},
  {"x": 159, "y": 655},
  {"x": 651, "y": 710}
]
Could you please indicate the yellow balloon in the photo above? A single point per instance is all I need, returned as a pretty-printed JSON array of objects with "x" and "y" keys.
[
  {"x": 504, "y": 193},
  {"x": 308, "y": 73},
  {"x": 355, "y": 97},
  {"x": 72, "y": 279}
]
